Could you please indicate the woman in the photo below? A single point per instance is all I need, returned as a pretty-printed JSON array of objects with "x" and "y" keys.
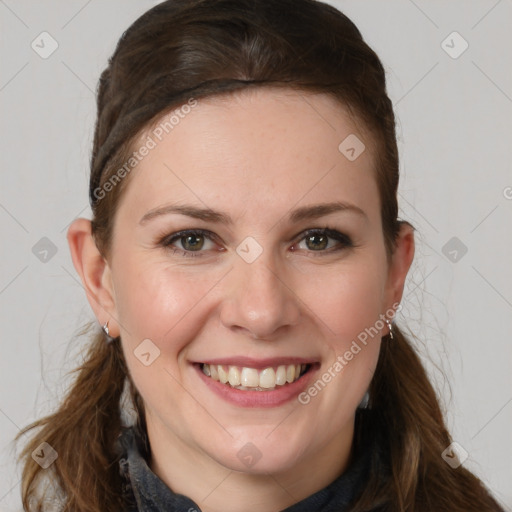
[{"x": 245, "y": 261}]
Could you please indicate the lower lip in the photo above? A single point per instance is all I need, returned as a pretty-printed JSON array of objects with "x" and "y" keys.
[{"x": 274, "y": 398}]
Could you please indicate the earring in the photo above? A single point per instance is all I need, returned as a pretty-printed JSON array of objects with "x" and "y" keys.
[
  {"x": 364, "y": 401},
  {"x": 108, "y": 338},
  {"x": 390, "y": 327}
]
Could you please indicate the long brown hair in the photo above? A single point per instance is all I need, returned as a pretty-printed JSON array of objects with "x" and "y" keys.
[{"x": 183, "y": 49}]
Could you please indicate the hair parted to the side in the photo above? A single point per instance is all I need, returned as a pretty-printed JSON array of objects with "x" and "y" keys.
[{"x": 183, "y": 49}]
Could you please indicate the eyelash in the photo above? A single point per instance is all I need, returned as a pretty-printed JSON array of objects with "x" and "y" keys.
[{"x": 168, "y": 240}]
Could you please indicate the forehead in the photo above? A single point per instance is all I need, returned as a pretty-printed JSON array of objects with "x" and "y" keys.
[{"x": 261, "y": 150}]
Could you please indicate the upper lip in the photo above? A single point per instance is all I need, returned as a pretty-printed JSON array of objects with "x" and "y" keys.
[{"x": 249, "y": 362}]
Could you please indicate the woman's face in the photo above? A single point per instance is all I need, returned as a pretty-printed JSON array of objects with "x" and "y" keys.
[{"x": 221, "y": 268}]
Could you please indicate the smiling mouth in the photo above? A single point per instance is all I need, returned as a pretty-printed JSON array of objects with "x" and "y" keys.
[{"x": 251, "y": 379}]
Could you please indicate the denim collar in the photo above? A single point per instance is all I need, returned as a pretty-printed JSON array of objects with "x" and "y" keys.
[{"x": 144, "y": 491}]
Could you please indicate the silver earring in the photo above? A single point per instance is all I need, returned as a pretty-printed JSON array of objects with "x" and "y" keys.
[
  {"x": 390, "y": 327},
  {"x": 109, "y": 338},
  {"x": 364, "y": 401}
]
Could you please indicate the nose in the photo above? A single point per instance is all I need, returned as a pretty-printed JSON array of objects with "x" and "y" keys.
[{"x": 258, "y": 302}]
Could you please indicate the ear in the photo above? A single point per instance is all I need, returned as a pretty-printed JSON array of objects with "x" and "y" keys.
[
  {"x": 401, "y": 261},
  {"x": 94, "y": 272}
]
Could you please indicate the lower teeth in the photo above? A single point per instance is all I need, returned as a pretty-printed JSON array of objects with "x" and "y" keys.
[{"x": 244, "y": 388}]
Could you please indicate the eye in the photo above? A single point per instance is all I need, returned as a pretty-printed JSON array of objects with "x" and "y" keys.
[
  {"x": 190, "y": 242},
  {"x": 325, "y": 240},
  {"x": 194, "y": 242}
]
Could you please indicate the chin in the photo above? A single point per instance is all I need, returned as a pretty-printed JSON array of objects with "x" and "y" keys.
[
  {"x": 260, "y": 451},
  {"x": 250, "y": 460}
]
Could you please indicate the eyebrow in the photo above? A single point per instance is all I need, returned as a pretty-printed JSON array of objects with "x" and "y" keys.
[{"x": 209, "y": 215}]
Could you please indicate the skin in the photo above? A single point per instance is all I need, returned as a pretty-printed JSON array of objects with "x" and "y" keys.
[{"x": 254, "y": 155}]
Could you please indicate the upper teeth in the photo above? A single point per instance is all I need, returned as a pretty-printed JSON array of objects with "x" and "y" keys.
[{"x": 244, "y": 378}]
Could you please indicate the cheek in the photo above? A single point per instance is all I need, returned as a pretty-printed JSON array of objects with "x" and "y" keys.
[
  {"x": 348, "y": 305},
  {"x": 159, "y": 302},
  {"x": 167, "y": 306},
  {"x": 349, "y": 301}
]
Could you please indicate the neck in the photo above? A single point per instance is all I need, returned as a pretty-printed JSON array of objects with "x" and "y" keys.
[{"x": 216, "y": 488}]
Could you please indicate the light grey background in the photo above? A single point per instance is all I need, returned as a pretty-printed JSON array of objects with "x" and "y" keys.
[{"x": 455, "y": 127}]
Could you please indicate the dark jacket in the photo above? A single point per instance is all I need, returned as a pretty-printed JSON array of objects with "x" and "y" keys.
[{"x": 146, "y": 492}]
